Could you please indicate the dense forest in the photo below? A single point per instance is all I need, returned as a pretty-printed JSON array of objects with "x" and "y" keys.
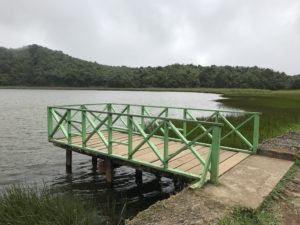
[{"x": 39, "y": 66}]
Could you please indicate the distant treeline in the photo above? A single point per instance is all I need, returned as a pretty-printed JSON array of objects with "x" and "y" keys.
[{"x": 39, "y": 66}]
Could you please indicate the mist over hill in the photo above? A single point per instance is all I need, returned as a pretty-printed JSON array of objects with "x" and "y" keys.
[{"x": 35, "y": 65}]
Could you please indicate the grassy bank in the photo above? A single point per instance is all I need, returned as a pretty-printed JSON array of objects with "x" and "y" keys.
[
  {"x": 280, "y": 109},
  {"x": 225, "y": 91},
  {"x": 22, "y": 205}
]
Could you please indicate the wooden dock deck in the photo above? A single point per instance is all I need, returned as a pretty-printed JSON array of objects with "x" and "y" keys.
[
  {"x": 147, "y": 144},
  {"x": 185, "y": 161}
]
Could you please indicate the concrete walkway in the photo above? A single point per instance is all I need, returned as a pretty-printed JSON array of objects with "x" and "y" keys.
[{"x": 246, "y": 185}]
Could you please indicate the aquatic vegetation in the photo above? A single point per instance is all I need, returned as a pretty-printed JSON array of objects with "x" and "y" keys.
[
  {"x": 22, "y": 205},
  {"x": 280, "y": 110},
  {"x": 280, "y": 113}
]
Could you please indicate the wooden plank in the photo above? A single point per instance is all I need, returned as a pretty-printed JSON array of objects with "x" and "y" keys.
[
  {"x": 188, "y": 157},
  {"x": 123, "y": 150},
  {"x": 116, "y": 136},
  {"x": 184, "y": 161},
  {"x": 159, "y": 144},
  {"x": 76, "y": 139},
  {"x": 152, "y": 158},
  {"x": 231, "y": 162},
  {"x": 192, "y": 163},
  {"x": 98, "y": 144},
  {"x": 224, "y": 155}
]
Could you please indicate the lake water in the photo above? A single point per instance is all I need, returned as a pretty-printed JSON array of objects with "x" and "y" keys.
[{"x": 26, "y": 156}]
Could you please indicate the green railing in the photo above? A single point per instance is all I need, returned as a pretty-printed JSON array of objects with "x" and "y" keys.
[{"x": 167, "y": 123}]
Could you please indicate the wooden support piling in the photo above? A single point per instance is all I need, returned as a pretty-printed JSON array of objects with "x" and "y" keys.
[
  {"x": 109, "y": 170},
  {"x": 94, "y": 162},
  {"x": 158, "y": 176},
  {"x": 101, "y": 166},
  {"x": 138, "y": 177},
  {"x": 68, "y": 160}
]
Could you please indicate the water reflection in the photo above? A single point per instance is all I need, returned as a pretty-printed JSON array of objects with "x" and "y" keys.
[{"x": 124, "y": 199}]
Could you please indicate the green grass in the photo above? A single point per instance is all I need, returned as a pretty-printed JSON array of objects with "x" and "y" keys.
[
  {"x": 267, "y": 213},
  {"x": 280, "y": 112},
  {"x": 23, "y": 205}
]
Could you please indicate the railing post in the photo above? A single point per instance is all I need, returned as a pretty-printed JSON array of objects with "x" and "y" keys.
[
  {"x": 83, "y": 126},
  {"x": 184, "y": 122},
  {"x": 215, "y": 154},
  {"x": 109, "y": 123},
  {"x": 217, "y": 116},
  {"x": 129, "y": 126},
  {"x": 255, "y": 133},
  {"x": 166, "y": 112},
  {"x": 128, "y": 109},
  {"x": 69, "y": 128},
  {"x": 166, "y": 144},
  {"x": 50, "y": 122},
  {"x": 142, "y": 118}
]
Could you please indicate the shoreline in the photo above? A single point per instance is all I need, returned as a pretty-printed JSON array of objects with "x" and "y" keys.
[{"x": 227, "y": 92}]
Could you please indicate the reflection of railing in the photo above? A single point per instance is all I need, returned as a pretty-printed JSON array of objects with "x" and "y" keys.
[{"x": 101, "y": 120}]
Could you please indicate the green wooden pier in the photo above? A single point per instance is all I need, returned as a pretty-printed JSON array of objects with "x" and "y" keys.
[{"x": 187, "y": 143}]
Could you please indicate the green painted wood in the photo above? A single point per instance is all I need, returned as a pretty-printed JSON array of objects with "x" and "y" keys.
[
  {"x": 255, "y": 133},
  {"x": 199, "y": 124},
  {"x": 166, "y": 144},
  {"x": 49, "y": 122},
  {"x": 83, "y": 127},
  {"x": 146, "y": 139},
  {"x": 236, "y": 131},
  {"x": 130, "y": 132},
  {"x": 152, "y": 146},
  {"x": 109, "y": 124},
  {"x": 96, "y": 129},
  {"x": 184, "y": 123},
  {"x": 186, "y": 142},
  {"x": 59, "y": 123},
  {"x": 69, "y": 128},
  {"x": 215, "y": 154},
  {"x": 237, "y": 127},
  {"x": 96, "y": 121}
]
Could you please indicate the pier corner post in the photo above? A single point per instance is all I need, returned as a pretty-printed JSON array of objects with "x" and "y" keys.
[
  {"x": 255, "y": 133},
  {"x": 109, "y": 170},
  {"x": 138, "y": 177},
  {"x": 68, "y": 160},
  {"x": 215, "y": 154},
  {"x": 101, "y": 166},
  {"x": 49, "y": 122},
  {"x": 94, "y": 162}
]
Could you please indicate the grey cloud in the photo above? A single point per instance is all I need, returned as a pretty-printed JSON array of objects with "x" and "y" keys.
[{"x": 141, "y": 33}]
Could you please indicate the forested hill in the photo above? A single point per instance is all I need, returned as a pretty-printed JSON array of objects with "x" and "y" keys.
[{"x": 39, "y": 66}]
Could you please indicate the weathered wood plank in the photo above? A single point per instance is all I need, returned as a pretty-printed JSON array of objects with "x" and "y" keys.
[
  {"x": 224, "y": 155},
  {"x": 184, "y": 161},
  {"x": 231, "y": 162}
]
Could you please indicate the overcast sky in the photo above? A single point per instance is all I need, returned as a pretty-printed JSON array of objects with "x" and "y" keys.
[{"x": 265, "y": 33}]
